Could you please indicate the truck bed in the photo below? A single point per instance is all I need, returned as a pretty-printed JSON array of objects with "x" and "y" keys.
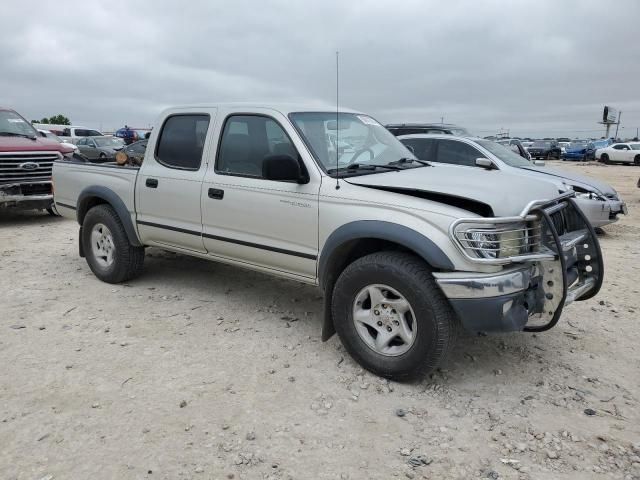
[{"x": 71, "y": 178}]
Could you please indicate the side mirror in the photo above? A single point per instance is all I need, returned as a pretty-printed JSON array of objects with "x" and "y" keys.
[
  {"x": 485, "y": 163},
  {"x": 538, "y": 163},
  {"x": 283, "y": 168}
]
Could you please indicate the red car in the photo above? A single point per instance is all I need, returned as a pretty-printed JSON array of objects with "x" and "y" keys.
[{"x": 26, "y": 161}]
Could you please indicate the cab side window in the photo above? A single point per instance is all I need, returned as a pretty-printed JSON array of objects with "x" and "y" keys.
[
  {"x": 247, "y": 140},
  {"x": 181, "y": 141},
  {"x": 457, "y": 153}
]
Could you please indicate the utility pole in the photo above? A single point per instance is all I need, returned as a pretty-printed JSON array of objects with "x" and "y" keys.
[
  {"x": 441, "y": 120},
  {"x": 618, "y": 124}
]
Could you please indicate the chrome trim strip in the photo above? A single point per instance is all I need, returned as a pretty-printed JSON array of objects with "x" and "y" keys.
[{"x": 464, "y": 285}]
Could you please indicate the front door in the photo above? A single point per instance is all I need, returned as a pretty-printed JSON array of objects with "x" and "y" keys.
[
  {"x": 169, "y": 184},
  {"x": 246, "y": 218}
]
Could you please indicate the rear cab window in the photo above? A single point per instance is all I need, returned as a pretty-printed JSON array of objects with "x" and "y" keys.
[{"x": 181, "y": 141}]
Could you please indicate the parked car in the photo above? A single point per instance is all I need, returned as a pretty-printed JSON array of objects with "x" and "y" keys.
[
  {"x": 53, "y": 136},
  {"x": 403, "y": 250},
  {"x": 546, "y": 149},
  {"x": 581, "y": 150},
  {"x": 132, "y": 154},
  {"x": 563, "y": 146},
  {"x": 620, "y": 152},
  {"x": 598, "y": 201},
  {"x": 76, "y": 133},
  {"x": 26, "y": 160},
  {"x": 100, "y": 149},
  {"x": 438, "y": 128}
]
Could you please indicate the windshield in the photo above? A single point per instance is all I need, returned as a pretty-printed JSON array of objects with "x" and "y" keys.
[
  {"x": 53, "y": 136},
  {"x": 352, "y": 138},
  {"x": 109, "y": 142},
  {"x": 13, "y": 124},
  {"x": 577, "y": 144},
  {"x": 542, "y": 144},
  {"x": 460, "y": 132},
  {"x": 505, "y": 154}
]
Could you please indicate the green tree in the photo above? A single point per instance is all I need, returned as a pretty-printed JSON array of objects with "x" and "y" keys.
[
  {"x": 59, "y": 120},
  {"x": 44, "y": 120}
]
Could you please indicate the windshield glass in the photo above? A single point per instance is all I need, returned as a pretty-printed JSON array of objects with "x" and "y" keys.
[
  {"x": 542, "y": 144},
  {"x": 12, "y": 123},
  {"x": 109, "y": 142},
  {"x": 352, "y": 138},
  {"x": 53, "y": 136},
  {"x": 577, "y": 144},
  {"x": 505, "y": 154}
]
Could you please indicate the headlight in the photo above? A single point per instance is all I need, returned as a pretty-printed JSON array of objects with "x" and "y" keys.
[{"x": 499, "y": 241}]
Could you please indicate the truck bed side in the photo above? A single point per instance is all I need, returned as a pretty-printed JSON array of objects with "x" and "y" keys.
[{"x": 75, "y": 181}]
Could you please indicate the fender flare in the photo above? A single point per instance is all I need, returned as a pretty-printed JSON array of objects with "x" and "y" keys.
[
  {"x": 376, "y": 229},
  {"x": 112, "y": 199}
]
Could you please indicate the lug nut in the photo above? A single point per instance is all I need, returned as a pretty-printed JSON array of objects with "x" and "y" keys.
[
  {"x": 389, "y": 329},
  {"x": 376, "y": 312},
  {"x": 396, "y": 322},
  {"x": 379, "y": 323}
]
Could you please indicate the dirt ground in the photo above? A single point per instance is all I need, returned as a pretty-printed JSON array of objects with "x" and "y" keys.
[{"x": 198, "y": 370}]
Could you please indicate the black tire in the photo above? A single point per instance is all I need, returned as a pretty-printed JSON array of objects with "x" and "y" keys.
[
  {"x": 127, "y": 259},
  {"x": 605, "y": 158},
  {"x": 102, "y": 156},
  {"x": 636, "y": 161},
  {"x": 436, "y": 323}
]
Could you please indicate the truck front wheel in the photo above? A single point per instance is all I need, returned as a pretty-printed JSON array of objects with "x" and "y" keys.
[
  {"x": 109, "y": 254},
  {"x": 391, "y": 316}
]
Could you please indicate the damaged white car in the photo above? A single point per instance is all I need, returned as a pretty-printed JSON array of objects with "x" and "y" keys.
[{"x": 600, "y": 203}]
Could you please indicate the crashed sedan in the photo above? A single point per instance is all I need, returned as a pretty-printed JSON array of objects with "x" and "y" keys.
[{"x": 600, "y": 203}]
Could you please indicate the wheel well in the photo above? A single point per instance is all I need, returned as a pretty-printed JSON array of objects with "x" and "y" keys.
[
  {"x": 352, "y": 250},
  {"x": 87, "y": 204}
]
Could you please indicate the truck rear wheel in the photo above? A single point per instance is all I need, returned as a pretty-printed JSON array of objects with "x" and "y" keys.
[
  {"x": 391, "y": 316},
  {"x": 109, "y": 254}
]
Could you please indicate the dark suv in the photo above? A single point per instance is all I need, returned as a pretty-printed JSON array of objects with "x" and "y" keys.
[
  {"x": 439, "y": 128},
  {"x": 547, "y": 149}
]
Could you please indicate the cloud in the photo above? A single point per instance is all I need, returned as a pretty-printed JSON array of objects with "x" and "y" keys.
[{"x": 537, "y": 68}]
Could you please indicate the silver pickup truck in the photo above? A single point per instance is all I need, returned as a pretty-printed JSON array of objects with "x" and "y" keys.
[{"x": 404, "y": 251}]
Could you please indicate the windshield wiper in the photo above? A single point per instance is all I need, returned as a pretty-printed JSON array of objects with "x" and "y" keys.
[
  {"x": 14, "y": 134},
  {"x": 365, "y": 166},
  {"x": 404, "y": 160}
]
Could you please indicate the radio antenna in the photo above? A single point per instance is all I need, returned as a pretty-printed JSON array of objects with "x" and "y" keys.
[{"x": 337, "y": 120}]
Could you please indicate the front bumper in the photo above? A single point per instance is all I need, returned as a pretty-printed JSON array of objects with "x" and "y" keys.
[
  {"x": 601, "y": 212},
  {"x": 531, "y": 295},
  {"x": 26, "y": 196}
]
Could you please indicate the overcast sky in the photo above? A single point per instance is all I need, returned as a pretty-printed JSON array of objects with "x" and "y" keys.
[{"x": 536, "y": 67}]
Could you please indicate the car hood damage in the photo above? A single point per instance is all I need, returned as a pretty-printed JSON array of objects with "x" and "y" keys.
[
  {"x": 484, "y": 192},
  {"x": 586, "y": 183}
]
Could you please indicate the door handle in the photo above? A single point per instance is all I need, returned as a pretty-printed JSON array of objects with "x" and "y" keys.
[
  {"x": 216, "y": 193},
  {"x": 151, "y": 182}
]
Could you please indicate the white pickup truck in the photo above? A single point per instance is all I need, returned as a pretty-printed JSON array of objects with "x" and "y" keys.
[{"x": 404, "y": 251}]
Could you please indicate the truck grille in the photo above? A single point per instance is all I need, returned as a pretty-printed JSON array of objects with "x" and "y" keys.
[{"x": 19, "y": 167}]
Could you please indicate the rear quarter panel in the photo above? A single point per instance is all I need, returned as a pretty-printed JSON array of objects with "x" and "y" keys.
[{"x": 71, "y": 178}]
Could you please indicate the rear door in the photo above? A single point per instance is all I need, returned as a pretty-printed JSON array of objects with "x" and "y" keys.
[
  {"x": 249, "y": 219},
  {"x": 455, "y": 152},
  {"x": 169, "y": 184}
]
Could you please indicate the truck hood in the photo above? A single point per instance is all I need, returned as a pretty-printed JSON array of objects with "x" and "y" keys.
[
  {"x": 40, "y": 144},
  {"x": 505, "y": 193},
  {"x": 570, "y": 178}
]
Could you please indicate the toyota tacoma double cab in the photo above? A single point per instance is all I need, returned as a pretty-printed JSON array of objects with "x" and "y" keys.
[
  {"x": 26, "y": 161},
  {"x": 406, "y": 252}
]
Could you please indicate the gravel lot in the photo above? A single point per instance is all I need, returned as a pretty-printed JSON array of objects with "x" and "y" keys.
[{"x": 201, "y": 370}]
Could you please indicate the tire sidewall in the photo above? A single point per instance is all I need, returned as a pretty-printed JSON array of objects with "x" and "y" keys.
[
  {"x": 105, "y": 215},
  {"x": 350, "y": 284}
]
